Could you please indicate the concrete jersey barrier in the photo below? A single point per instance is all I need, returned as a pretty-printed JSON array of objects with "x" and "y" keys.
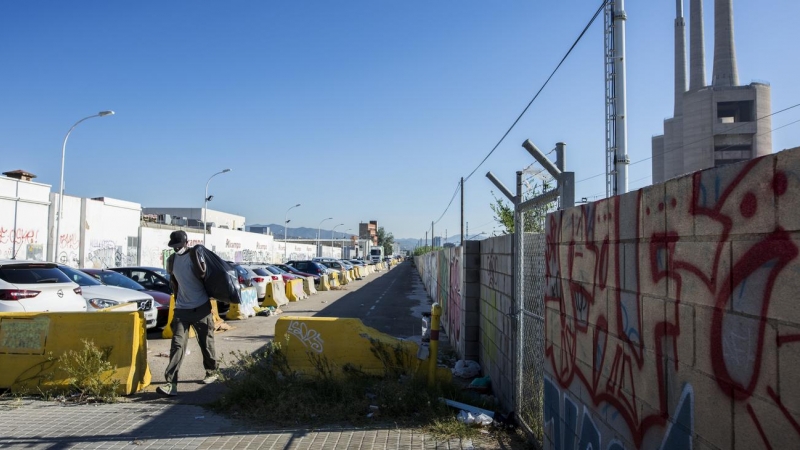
[
  {"x": 348, "y": 341},
  {"x": 294, "y": 290},
  {"x": 308, "y": 286},
  {"x": 31, "y": 343},
  {"x": 324, "y": 283},
  {"x": 276, "y": 295}
]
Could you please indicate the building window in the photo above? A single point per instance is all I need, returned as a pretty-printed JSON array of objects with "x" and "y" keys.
[{"x": 732, "y": 112}]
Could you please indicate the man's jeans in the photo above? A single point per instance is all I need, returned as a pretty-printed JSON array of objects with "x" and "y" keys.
[{"x": 203, "y": 322}]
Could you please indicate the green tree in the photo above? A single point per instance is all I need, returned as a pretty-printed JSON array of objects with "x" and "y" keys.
[
  {"x": 534, "y": 218},
  {"x": 385, "y": 240}
]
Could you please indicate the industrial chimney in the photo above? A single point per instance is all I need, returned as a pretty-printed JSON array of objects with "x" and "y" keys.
[
  {"x": 680, "y": 58},
  {"x": 725, "y": 73},
  {"x": 697, "y": 53}
]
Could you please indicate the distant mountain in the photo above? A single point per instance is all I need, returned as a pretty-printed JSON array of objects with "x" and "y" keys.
[{"x": 300, "y": 232}]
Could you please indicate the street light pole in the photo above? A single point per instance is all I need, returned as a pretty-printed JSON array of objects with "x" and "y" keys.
[
  {"x": 285, "y": 223},
  {"x": 334, "y": 230},
  {"x": 342, "y": 246},
  {"x": 205, "y": 208},
  {"x": 61, "y": 184},
  {"x": 319, "y": 228}
]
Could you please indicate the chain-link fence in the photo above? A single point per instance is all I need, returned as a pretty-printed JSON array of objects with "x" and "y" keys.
[{"x": 530, "y": 357}]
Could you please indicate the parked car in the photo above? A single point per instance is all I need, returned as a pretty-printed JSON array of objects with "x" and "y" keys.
[
  {"x": 357, "y": 262},
  {"x": 347, "y": 264},
  {"x": 99, "y": 296},
  {"x": 294, "y": 271},
  {"x": 335, "y": 265},
  {"x": 311, "y": 267},
  {"x": 152, "y": 278},
  {"x": 286, "y": 276},
  {"x": 34, "y": 286},
  {"x": 112, "y": 278},
  {"x": 260, "y": 279},
  {"x": 244, "y": 274}
]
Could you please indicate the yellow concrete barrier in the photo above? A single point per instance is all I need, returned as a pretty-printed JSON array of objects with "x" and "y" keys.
[
  {"x": 344, "y": 278},
  {"x": 276, "y": 295},
  {"x": 294, "y": 290},
  {"x": 324, "y": 283},
  {"x": 31, "y": 343},
  {"x": 308, "y": 286},
  {"x": 335, "y": 279},
  {"x": 235, "y": 313},
  {"x": 166, "y": 333},
  {"x": 348, "y": 341},
  {"x": 352, "y": 274}
]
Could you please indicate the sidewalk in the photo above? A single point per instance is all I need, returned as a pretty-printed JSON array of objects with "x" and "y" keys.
[{"x": 163, "y": 425}]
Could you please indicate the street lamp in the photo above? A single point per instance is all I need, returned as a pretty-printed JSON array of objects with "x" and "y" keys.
[
  {"x": 344, "y": 233},
  {"x": 332, "y": 231},
  {"x": 319, "y": 227},
  {"x": 285, "y": 223},
  {"x": 207, "y": 198},
  {"x": 61, "y": 185}
]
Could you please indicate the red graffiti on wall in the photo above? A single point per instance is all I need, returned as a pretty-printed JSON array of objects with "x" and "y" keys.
[
  {"x": 18, "y": 236},
  {"x": 68, "y": 241},
  {"x": 588, "y": 260}
]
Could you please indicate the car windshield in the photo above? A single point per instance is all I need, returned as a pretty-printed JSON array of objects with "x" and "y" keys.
[
  {"x": 115, "y": 279},
  {"x": 76, "y": 276},
  {"x": 273, "y": 270},
  {"x": 262, "y": 272},
  {"x": 279, "y": 269},
  {"x": 32, "y": 274},
  {"x": 162, "y": 272}
]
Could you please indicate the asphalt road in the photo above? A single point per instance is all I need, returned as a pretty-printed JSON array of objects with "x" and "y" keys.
[{"x": 389, "y": 301}]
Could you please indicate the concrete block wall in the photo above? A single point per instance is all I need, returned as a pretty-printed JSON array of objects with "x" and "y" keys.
[
  {"x": 442, "y": 274},
  {"x": 671, "y": 314},
  {"x": 497, "y": 326}
]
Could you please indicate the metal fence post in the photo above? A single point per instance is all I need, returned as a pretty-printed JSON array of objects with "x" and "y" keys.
[{"x": 519, "y": 286}]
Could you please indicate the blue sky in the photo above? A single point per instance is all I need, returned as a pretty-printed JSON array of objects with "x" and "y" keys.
[{"x": 358, "y": 110}]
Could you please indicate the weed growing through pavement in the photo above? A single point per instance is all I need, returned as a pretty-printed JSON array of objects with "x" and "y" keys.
[
  {"x": 263, "y": 388},
  {"x": 89, "y": 377}
]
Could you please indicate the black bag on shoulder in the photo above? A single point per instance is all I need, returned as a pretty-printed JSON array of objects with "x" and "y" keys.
[{"x": 220, "y": 280}]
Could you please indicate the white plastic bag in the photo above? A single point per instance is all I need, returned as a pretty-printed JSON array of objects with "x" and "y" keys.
[
  {"x": 465, "y": 417},
  {"x": 466, "y": 369}
]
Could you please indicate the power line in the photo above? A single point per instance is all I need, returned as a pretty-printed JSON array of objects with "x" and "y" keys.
[
  {"x": 458, "y": 187},
  {"x": 585, "y": 29},
  {"x": 706, "y": 138}
]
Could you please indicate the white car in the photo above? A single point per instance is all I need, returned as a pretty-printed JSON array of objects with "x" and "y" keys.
[
  {"x": 99, "y": 296},
  {"x": 36, "y": 286},
  {"x": 261, "y": 277}
]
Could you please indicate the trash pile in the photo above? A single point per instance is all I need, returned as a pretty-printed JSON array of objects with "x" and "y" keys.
[
  {"x": 267, "y": 311},
  {"x": 468, "y": 414}
]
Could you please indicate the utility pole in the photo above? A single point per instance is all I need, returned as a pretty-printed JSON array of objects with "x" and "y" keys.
[
  {"x": 426, "y": 239},
  {"x": 433, "y": 236},
  {"x": 462, "y": 212}
]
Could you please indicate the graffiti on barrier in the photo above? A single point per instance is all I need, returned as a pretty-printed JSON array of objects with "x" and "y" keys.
[
  {"x": 310, "y": 338},
  {"x": 608, "y": 267}
]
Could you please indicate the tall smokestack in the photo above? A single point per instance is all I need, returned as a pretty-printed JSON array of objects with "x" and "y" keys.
[
  {"x": 697, "y": 53},
  {"x": 680, "y": 58},
  {"x": 725, "y": 73}
]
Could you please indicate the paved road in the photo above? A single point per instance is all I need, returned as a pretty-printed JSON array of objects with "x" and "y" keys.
[{"x": 390, "y": 303}]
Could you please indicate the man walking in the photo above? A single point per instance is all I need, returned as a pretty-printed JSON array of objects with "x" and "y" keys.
[{"x": 192, "y": 308}]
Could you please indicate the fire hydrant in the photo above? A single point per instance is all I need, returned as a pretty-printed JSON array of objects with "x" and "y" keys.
[{"x": 436, "y": 314}]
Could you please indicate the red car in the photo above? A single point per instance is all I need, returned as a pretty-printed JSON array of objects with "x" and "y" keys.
[{"x": 113, "y": 278}]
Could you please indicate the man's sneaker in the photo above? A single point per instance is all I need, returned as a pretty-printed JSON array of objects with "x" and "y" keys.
[
  {"x": 169, "y": 389},
  {"x": 210, "y": 378}
]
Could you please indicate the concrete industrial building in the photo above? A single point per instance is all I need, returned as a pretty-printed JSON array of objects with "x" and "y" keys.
[{"x": 712, "y": 125}]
